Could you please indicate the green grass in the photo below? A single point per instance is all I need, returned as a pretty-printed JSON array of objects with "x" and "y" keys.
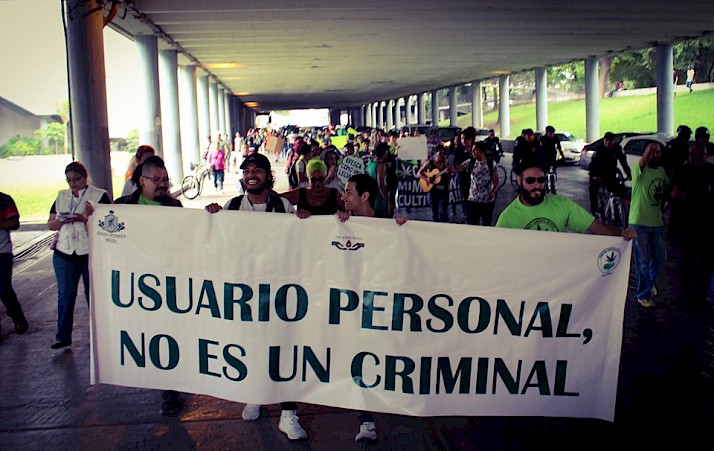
[
  {"x": 34, "y": 200},
  {"x": 617, "y": 114}
]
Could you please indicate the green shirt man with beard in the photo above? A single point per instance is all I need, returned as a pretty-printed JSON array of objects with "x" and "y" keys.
[{"x": 534, "y": 209}]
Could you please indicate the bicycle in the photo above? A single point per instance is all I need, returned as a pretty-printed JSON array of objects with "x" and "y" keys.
[
  {"x": 551, "y": 179},
  {"x": 192, "y": 184},
  {"x": 500, "y": 169},
  {"x": 613, "y": 209}
]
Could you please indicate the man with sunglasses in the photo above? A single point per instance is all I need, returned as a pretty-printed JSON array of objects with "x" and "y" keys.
[{"x": 534, "y": 209}]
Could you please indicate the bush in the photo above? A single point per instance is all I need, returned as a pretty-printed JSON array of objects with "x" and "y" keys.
[{"x": 22, "y": 146}]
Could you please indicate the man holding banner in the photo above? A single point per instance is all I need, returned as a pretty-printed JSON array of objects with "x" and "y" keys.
[
  {"x": 258, "y": 181},
  {"x": 533, "y": 209},
  {"x": 360, "y": 195}
]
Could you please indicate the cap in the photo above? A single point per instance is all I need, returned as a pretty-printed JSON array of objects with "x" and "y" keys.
[{"x": 258, "y": 159}]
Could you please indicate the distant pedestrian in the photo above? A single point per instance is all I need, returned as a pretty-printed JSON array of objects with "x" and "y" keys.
[
  {"x": 9, "y": 220},
  {"x": 690, "y": 77}
]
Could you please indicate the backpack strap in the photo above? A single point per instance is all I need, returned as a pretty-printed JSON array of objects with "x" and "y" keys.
[
  {"x": 235, "y": 203},
  {"x": 275, "y": 204}
]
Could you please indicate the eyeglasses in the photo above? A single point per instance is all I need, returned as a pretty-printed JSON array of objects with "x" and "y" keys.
[
  {"x": 74, "y": 179},
  {"x": 317, "y": 179},
  {"x": 157, "y": 180},
  {"x": 532, "y": 180}
]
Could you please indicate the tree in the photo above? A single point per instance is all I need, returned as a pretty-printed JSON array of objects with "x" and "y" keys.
[
  {"x": 63, "y": 112},
  {"x": 635, "y": 68},
  {"x": 132, "y": 140},
  {"x": 568, "y": 77},
  {"x": 55, "y": 134},
  {"x": 605, "y": 64}
]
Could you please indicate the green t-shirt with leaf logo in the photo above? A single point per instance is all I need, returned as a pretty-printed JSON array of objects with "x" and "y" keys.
[{"x": 555, "y": 214}]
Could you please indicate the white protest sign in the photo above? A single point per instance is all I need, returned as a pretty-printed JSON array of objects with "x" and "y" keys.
[
  {"x": 350, "y": 166},
  {"x": 412, "y": 148}
]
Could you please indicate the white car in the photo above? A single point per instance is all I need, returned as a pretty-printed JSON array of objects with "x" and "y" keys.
[{"x": 571, "y": 146}]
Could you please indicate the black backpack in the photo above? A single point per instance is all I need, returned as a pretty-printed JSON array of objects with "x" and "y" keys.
[
  {"x": 275, "y": 204},
  {"x": 293, "y": 176}
]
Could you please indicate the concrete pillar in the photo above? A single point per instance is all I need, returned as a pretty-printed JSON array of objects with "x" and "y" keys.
[
  {"x": 390, "y": 114},
  {"x": 665, "y": 89},
  {"x": 90, "y": 121},
  {"x": 214, "y": 122},
  {"x": 357, "y": 119},
  {"x": 188, "y": 112},
  {"x": 476, "y": 105},
  {"x": 228, "y": 130},
  {"x": 238, "y": 108},
  {"x": 171, "y": 132},
  {"x": 453, "y": 107},
  {"x": 398, "y": 102},
  {"x": 409, "y": 117},
  {"x": 368, "y": 114},
  {"x": 221, "y": 102},
  {"x": 335, "y": 116},
  {"x": 435, "y": 108},
  {"x": 150, "y": 127},
  {"x": 592, "y": 100},
  {"x": 541, "y": 88},
  {"x": 504, "y": 105},
  {"x": 204, "y": 112},
  {"x": 380, "y": 115},
  {"x": 421, "y": 109}
]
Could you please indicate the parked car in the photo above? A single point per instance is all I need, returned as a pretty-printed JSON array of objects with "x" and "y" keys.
[
  {"x": 570, "y": 144},
  {"x": 586, "y": 153},
  {"x": 481, "y": 134}
]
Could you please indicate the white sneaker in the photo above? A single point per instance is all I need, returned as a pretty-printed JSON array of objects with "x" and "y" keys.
[
  {"x": 367, "y": 432},
  {"x": 251, "y": 412},
  {"x": 654, "y": 291},
  {"x": 290, "y": 425}
]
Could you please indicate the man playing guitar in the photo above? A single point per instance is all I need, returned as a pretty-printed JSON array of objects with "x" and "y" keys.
[{"x": 434, "y": 179}]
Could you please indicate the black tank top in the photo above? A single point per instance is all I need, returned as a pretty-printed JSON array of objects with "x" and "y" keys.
[{"x": 329, "y": 207}]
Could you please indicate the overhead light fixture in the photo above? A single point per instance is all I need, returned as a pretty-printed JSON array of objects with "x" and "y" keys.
[
  {"x": 231, "y": 78},
  {"x": 252, "y": 104},
  {"x": 499, "y": 72},
  {"x": 223, "y": 66},
  {"x": 241, "y": 93}
]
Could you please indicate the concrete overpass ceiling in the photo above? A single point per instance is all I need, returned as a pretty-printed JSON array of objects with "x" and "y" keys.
[{"x": 308, "y": 53}]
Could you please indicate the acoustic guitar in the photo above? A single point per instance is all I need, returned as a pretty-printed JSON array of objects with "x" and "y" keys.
[{"x": 433, "y": 177}]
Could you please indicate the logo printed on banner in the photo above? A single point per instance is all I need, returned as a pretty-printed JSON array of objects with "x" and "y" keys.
[
  {"x": 348, "y": 243},
  {"x": 111, "y": 223},
  {"x": 608, "y": 260}
]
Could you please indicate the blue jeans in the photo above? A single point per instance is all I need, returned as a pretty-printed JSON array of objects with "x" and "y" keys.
[
  {"x": 649, "y": 258},
  {"x": 68, "y": 270}
]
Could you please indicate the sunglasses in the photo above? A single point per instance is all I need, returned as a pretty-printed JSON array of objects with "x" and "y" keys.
[
  {"x": 317, "y": 179},
  {"x": 532, "y": 180}
]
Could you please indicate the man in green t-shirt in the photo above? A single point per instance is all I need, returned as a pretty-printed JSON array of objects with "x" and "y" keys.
[
  {"x": 534, "y": 209},
  {"x": 649, "y": 184}
]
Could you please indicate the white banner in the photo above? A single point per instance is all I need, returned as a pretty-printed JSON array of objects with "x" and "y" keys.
[
  {"x": 424, "y": 319},
  {"x": 412, "y": 148}
]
